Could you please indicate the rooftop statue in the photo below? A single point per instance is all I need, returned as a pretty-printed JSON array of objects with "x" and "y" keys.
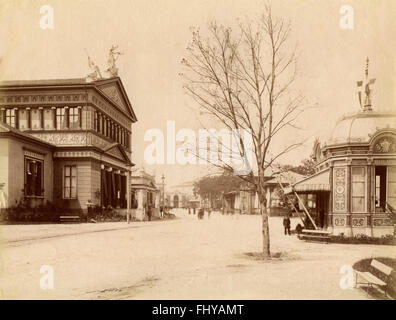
[
  {"x": 111, "y": 61},
  {"x": 367, "y": 90},
  {"x": 95, "y": 74}
]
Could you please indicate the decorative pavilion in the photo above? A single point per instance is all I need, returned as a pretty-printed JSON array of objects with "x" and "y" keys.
[{"x": 354, "y": 189}]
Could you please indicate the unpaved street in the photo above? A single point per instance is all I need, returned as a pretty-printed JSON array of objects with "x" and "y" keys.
[{"x": 185, "y": 258}]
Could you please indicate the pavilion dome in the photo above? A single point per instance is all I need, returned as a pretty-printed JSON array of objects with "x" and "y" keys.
[{"x": 361, "y": 126}]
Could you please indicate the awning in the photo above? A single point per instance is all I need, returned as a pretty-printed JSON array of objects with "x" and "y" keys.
[{"x": 317, "y": 182}]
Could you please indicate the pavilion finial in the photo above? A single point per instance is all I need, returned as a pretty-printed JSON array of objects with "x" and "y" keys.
[
  {"x": 367, "y": 100},
  {"x": 367, "y": 66}
]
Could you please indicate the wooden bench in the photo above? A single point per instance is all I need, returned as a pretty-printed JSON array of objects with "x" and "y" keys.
[
  {"x": 315, "y": 235},
  {"x": 69, "y": 219},
  {"x": 371, "y": 279}
]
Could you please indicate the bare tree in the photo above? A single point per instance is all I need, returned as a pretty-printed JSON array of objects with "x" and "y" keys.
[{"x": 244, "y": 80}]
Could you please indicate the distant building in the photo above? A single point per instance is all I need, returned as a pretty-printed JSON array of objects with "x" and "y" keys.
[
  {"x": 245, "y": 200},
  {"x": 179, "y": 196},
  {"x": 66, "y": 141},
  {"x": 145, "y": 195}
]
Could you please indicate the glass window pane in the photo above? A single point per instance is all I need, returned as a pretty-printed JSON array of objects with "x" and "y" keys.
[
  {"x": 67, "y": 193},
  {"x": 73, "y": 182},
  {"x": 73, "y": 192},
  {"x": 358, "y": 189},
  {"x": 358, "y": 174},
  {"x": 67, "y": 171},
  {"x": 74, "y": 171},
  {"x": 392, "y": 174},
  {"x": 358, "y": 204}
]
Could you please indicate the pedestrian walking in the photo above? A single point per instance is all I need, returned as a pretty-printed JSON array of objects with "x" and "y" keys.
[
  {"x": 286, "y": 224},
  {"x": 148, "y": 212},
  {"x": 161, "y": 212},
  {"x": 200, "y": 214}
]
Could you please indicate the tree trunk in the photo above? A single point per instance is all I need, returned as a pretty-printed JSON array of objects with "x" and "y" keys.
[{"x": 265, "y": 225}]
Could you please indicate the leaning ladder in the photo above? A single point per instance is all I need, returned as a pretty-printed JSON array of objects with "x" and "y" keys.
[{"x": 300, "y": 201}]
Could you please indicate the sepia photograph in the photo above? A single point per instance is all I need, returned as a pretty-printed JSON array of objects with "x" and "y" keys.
[{"x": 198, "y": 150}]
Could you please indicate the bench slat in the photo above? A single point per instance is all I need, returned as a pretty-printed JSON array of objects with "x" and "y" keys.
[
  {"x": 314, "y": 236},
  {"x": 316, "y": 231},
  {"x": 381, "y": 267},
  {"x": 371, "y": 278}
]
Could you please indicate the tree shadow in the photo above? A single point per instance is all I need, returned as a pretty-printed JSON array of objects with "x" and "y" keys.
[{"x": 275, "y": 256}]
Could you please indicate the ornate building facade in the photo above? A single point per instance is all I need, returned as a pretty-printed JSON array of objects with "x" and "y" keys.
[
  {"x": 66, "y": 141},
  {"x": 145, "y": 195},
  {"x": 354, "y": 188}
]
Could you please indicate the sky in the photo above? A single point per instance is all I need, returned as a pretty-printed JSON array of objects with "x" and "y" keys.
[{"x": 153, "y": 36}]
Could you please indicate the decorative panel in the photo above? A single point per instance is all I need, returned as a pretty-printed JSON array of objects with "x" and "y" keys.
[{"x": 340, "y": 189}]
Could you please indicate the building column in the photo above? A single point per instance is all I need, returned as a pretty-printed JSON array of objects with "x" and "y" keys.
[
  {"x": 53, "y": 117},
  {"x": 3, "y": 115},
  {"x": 349, "y": 196},
  {"x": 370, "y": 191},
  {"x": 109, "y": 186},
  {"x": 28, "y": 119},
  {"x": 16, "y": 111},
  {"x": 128, "y": 195},
  {"x": 118, "y": 188},
  {"x": 79, "y": 117},
  {"x": 331, "y": 197}
]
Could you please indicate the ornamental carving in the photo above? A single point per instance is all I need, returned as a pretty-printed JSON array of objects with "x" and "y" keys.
[
  {"x": 379, "y": 222},
  {"x": 62, "y": 138},
  {"x": 339, "y": 222},
  {"x": 42, "y": 98},
  {"x": 97, "y": 141},
  {"x": 340, "y": 189},
  {"x": 385, "y": 145},
  {"x": 111, "y": 111},
  {"x": 358, "y": 222},
  {"x": 116, "y": 153}
]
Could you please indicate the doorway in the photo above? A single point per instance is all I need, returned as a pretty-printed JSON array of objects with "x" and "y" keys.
[{"x": 176, "y": 201}]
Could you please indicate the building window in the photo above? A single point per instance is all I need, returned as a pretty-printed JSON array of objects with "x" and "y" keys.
[
  {"x": 60, "y": 118},
  {"x": 74, "y": 120},
  {"x": 358, "y": 189},
  {"x": 33, "y": 177},
  {"x": 36, "y": 119},
  {"x": 96, "y": 121},
  {"x": 391, "y": 194},
  {"x": 10, "y": 117},
  {"x": 100, "y": 128},
  {"x": 70, "y": 182}
]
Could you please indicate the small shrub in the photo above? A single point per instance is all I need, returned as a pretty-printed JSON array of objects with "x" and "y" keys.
[{"x": 364, "y": 239}]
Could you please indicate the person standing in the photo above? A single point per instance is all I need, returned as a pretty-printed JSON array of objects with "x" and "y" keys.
[
  {"x": 149, "y": 209},
  {"x": 286, "y": 224},
  {"x": 161, "y": 212}
]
